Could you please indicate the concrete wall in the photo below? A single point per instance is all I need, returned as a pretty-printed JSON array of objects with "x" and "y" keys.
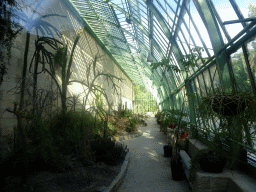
[{"x": 84, "y": 55}]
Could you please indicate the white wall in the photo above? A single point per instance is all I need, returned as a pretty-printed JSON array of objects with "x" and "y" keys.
[{"x": 84, "y": 54}]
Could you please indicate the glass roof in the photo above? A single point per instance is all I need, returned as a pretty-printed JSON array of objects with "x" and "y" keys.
[
  {"x": 130, "y": 31},
  {"x": 133, "y": 30},
  {"x": 140, "y": 33}
]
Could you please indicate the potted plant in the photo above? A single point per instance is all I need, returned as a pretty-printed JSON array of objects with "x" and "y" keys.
[
  {"x": 176, "y": 164},
  {"x": 228, "y": 104},
  {"x": 158, "y": 117},
  {"x": 208, "y": 160},
  {"x": 177, "y": 169},
  {"x": 212, "y": 162},
  {"x": 167, "y": 150}
]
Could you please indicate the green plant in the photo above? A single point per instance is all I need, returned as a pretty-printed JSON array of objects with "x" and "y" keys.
[
  {"x": 236, "y": 111},
  {"x": 204, "y": 157},
  {"x": 192, "y": 59},
  {"x": 132, "y": 125},
  {"x": 124, "y": 113},
  {"x": 187, "y": 61},
  {"x": 69, "y": 129},
  {"x": 61, "y": 59},
  {"x": 100, "y": 146},
  {"x": 112, "y": 130},
  {"x": 164, "y": 63},
  {"x": 116, "y": 155},
  {"x": 8, "y": 32},
  {"x": 74, "y": 101},
  {"x": 40, "y": 144}
]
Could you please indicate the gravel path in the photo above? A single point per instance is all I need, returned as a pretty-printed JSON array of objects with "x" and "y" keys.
[{"x": 148, "y": 169}]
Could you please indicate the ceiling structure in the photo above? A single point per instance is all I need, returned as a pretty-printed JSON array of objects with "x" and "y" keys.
[{"x": 136, "y": 31}]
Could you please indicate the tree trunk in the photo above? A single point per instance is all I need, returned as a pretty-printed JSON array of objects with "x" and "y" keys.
[{"x": 24, "y": 73}]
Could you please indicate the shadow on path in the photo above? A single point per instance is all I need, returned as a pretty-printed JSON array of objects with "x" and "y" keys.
[{"x": 149, "y": 170}]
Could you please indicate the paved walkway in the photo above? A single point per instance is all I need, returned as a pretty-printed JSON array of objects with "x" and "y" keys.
[{"x": 148, "y": 169}]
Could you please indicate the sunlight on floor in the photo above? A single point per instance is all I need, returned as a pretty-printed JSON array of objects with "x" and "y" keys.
[
  {"x": 154, "y": 156},
  {"x": 147, "y": 135}
]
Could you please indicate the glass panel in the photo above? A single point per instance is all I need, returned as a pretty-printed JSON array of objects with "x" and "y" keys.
[
  {"x": 240, "y": 70},
  {"x": 251, "y": 47},
  {"x": 197, "y": 86},
  {"x": 207, "y": 81},
  {"x": 215, "y": 76},
  {"x": 227, "y": 13},
  {"x": 202, "y": 85},
  {"x": 201, "y": 27}
]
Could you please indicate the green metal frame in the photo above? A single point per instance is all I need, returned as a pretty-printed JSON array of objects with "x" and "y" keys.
[{"x": 128, "y": 30}]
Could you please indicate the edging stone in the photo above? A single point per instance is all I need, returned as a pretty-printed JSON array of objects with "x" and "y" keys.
[
  {"x": 120, "y": 177},
  {"x": 127, "y": 137}
]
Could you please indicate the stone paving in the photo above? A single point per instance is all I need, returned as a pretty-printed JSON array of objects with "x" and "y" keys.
[{"x": 148, "y": 169}]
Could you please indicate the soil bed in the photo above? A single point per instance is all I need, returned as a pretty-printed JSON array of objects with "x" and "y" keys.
[{"x": 82, "y": 178}]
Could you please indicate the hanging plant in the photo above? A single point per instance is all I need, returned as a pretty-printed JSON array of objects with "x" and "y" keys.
[
  {"x": 236, "y": 111},
  {"x": 229, "y": 103}
]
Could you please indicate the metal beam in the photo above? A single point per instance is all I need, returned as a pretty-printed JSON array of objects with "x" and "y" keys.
[
  {"x": 159, "y": 17},
  {"x": 211, "y": 24}
]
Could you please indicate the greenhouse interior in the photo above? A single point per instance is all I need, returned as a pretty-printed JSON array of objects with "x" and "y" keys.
[{"x": 78, "y": 75}]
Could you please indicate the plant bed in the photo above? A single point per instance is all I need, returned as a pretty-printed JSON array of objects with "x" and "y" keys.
[
  {"x": 80, "y": 178},
  {"x": 76, "y": 173}
]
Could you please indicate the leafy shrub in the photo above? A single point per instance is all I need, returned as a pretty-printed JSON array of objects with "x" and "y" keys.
[
  {"x": 116, "y": 155},
  {"x": 124, "y": 113},
  {"x": 68, "y": 129},
  {"x": 100, "y": 146},
  {"x": 132, "y": 125},
  {"x": 41, "y": 148},
  {"x": 111, "y": 131},
  {"x": 129, "y": 129}
]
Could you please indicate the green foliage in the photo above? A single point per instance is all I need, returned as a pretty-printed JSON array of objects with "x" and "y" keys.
[
  {"x": 252, "y": 11},
  {"x": 132, "y": 125},
  {"x": 170, "y": 116},
  {"x": 108, "y": 151},
  {"x": 116, "y": 155},
  {"x": 124, "y": 113},
  {"x": 216, "y": 101},
  {"x": 41, "y": 145},
  {"x": 139, "y": 120},
  {"x": 112, "y": 130},
  {"x": 235, "y": 111},
  {"x": 192, "y": 60},
  {"x": 68, "y": 129},
  {"x": 144, "y": 100},
  {"x": 40, "y": 150},
  {"x": 60, "y": 57},
  {"x": 8, "y": 33},
  {"x": 164, "y": 63},
  {"x": 189, "y": 60}
]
